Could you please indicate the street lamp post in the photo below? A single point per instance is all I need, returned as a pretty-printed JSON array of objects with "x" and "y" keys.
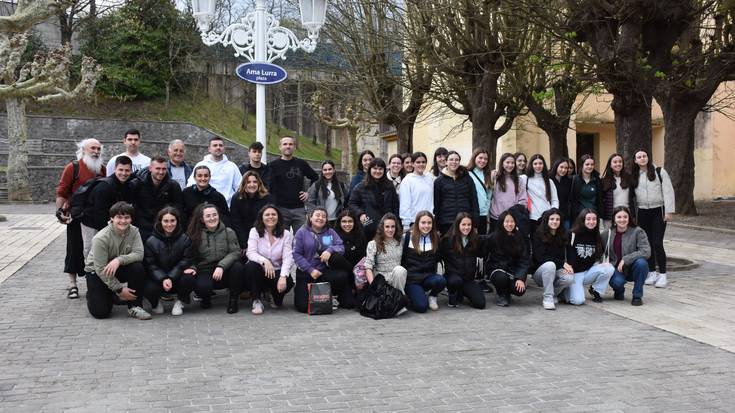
[{"x": 259, "y": 38}]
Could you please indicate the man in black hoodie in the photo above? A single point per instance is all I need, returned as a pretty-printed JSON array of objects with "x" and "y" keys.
[{"x": 155, "y": 191}]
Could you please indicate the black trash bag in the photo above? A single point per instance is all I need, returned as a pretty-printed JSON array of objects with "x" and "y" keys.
[
  {"x": 320, "y": 298},
  {"x": 382, "y": 300}
]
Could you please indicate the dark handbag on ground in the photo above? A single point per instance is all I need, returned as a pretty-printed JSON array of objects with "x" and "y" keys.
[
  {"x": 382, "y": 300},
  {"x": 320, "y": 298}
]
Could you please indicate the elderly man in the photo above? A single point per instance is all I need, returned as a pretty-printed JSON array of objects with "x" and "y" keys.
[
  {"x": 88, "y": 165},
  {"x": 178, "y": 169}
]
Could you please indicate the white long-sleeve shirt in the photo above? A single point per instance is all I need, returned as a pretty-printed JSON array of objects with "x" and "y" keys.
[
  {"x": 536, "y": 191},
  {"x": 225, "y": 176},
  {"x": 416, "y": 193}
]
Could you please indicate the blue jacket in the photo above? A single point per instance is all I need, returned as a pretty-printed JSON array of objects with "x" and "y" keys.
[{"x": 187, "y": 169}]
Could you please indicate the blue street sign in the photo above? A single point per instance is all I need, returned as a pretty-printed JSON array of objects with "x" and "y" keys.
[{"x": 261, "y": 73}]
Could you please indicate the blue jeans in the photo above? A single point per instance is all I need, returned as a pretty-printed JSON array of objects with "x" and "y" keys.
[
  {"x": 598, "y": 275},
  {"x": 636, "y": 273},
  {"x": 416, "y": 292}
]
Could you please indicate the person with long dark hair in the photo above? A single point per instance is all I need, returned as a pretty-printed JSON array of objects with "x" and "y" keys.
[
  {"x": 416, "y": 191},
  {"x": 509, "y": 189},
  {"x": 407, "y": 163},
  {"x": 168, "y": 252},
  {"x": 521, "y": 162},
  {"x": 315, "y": 251},
  {"x": 541, "y": 191},
  {"x": 552, "y": 273},
  {"x": 270, "y": 258},
  {"x": 363, "y": 165},
  {"x": 420, "y": 259},
  {"x": 655, "y": 205},
  {"x": 203, "y": 193},
  {"x": 327, "y": 192},
  {"x": 627, "y": 249},
  {"x": 353, "y": 239},
  {"x": 459, "y": 250},
  {"x": 439, "y": 161},
  {"x": 454, "y": 192},
  {"x": 560, "y": 176},
  {"x": 384, "y": 252},
  {"x": 508, "y": 262},
  {"x": 480, "y": 171},
  {"x": 617, "y": 187},
  {"x": 584, "y": 254},
  {"x": 374, "y": 197},
  {"x": 586, "y": 188},
  {"x": 216, "y": 258},
  {"x": 251, "y": 197}
]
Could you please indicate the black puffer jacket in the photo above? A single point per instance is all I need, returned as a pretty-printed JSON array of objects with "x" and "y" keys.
[
  {"x": 355, "y": 246},
  {"x": 374, "y": 201},
  {"x": 150, "y": 199},
  {"x": 193, "y": 197},
  {"x": 104, "y": 195},
  {"x": 243, "y": 212},
  {"x": 418, "y": 266},
  {"x": 455, "y": 195},
  {"x": 465, "y": 263},
  {"x": 499, "y": 258},
  {"x": 168, "y": 257}
]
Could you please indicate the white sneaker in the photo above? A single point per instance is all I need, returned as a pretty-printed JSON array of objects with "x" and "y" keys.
[
  {"x": 432, "y": 303},
  {"x": 662, "y": 282},
  {"x": 401, "y": 311},
  {"x": 158, "y": 309},
  {"x": 257, "y": 307},
  {"x": 138, "y": 313},
  {"x": 178, "y": 308},
  {"x": 651, "y": 278},
  {"x": 549, "y": 304}
]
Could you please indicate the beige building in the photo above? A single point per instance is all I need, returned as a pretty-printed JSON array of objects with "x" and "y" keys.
[{"x": 592, "y": 130}]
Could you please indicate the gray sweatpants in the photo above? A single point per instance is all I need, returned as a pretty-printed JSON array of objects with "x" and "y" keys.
[{"x": 552, "y": 280}]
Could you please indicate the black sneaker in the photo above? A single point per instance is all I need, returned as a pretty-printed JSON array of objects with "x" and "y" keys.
[
  {"x": 205, "y": 303},
  {"x": 502, "y": 300},
  {"x": 636, "y": 302},
  {"x": 486, "y": 288},
  {"x": 595, "y": 295},
  {"x": 619, "y": 296},
  {"x": 452, "y": 300}
]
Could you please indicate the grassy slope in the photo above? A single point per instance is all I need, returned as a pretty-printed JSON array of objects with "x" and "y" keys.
[{"x": 207, "y": 113}]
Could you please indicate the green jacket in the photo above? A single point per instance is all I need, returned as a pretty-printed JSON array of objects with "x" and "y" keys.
[
  {"x": 218, "y": 248},
  {"x": 108, "y": 245}
]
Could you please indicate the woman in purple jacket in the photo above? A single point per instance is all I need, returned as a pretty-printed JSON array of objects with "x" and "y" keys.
[{"x": 316, "y": 251}]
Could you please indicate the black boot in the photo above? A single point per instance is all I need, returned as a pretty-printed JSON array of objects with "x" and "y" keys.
[{"x": 234, "y": 304}]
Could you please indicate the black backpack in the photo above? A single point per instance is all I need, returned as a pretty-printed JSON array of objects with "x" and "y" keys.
[{"x": 80, "y": 198}]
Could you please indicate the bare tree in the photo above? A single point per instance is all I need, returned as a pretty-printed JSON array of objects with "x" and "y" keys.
[
  {"x": 45, "y": 79},
  {"x": 347, "y": 115}
]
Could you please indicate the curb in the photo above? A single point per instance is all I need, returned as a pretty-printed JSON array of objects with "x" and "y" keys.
[{"x": 703, "y": 228}]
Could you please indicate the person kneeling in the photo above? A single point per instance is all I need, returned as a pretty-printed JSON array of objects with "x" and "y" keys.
[
  {"x": 315, "y": 251},
  {"x": 115, "y": 259},
  {"x": 168, "y": 252},
  {"x": 508, "y": 262},
  {"x": 419, "y": 258},
  {"x": 459, "y": 250},
  {"x": 216, "y": 259},
  {"x": 628, "y": 249}
]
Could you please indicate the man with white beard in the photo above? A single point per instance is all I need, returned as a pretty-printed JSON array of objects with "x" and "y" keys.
[{"x": 88, "y": 165}]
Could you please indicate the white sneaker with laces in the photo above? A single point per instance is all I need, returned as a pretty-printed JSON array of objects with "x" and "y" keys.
[
  {"x": 662, "y": 282},
  {"x": 401, "y": 311},
  {"x": 549, "y": 304},
  {"x": 178, "y": 308},
  {"x": 138, "y": 313},
  {"x": 257, "y": 307},
  {"x": 651, "y": 278},
  {"x": 432, "y": 303},
  {"x": 158, "y": 309}
]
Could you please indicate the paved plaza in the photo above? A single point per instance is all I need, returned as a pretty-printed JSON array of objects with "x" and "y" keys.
[{"x": 675, "y": 353}]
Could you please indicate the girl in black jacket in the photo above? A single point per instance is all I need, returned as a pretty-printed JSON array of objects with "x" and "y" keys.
[
  {"x": 459, "y": 250},
  {"x": 250, "y": 198},
  {"x": 203, "y": 193},
  {"x": 454, "y": 192},
  {"x": 349, "y": 230},
  {"x": 552, "y": 272},
  {"x": 420, "y": 258},
  {"x": 586, "y": 188},
  {"x": 373, "y": 198},
  {"x": 508, "y": 261},
  {"x": 560, "y": 176},
  {"x": 168, "y": 252}
]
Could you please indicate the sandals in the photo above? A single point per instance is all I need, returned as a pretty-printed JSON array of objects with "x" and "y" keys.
[{"x": 73, "y": 293}]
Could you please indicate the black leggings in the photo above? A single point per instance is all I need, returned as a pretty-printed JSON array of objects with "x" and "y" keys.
[
  {"x": 337, "y": 279},
  {"x": 183, "y": 287},
  {"x": 652, "y": 222},
  {"x": 504, "y": 283},
  {"x": 470, "y": 289},
  {"x": 232, "y": 279},
  {"x": 100, "y": 297},
  {"x": 259, "y": 283}
]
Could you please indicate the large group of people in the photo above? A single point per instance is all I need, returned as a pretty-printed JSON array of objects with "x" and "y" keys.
[{"x": 156, "y": 228}]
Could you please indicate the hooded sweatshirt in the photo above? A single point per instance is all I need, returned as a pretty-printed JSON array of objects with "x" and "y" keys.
[
  {"x": 225, "y": 176},
  {"x": 416, "y": 193}
]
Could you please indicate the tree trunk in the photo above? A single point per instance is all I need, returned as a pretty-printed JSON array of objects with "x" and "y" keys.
[
  {"x": 344, "y": 143},
  {"x": 483, "y": 136},
  {"x": 404, "y": 130},
  {"x": 327, "y": 139},
  {"x": 558, "y": 147},
  {"x": 352, "y": 136},
  {"x": 632, "y": 124},
  {"x": 679, "y": 121},
  {"x": 17, "y": 173}
]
